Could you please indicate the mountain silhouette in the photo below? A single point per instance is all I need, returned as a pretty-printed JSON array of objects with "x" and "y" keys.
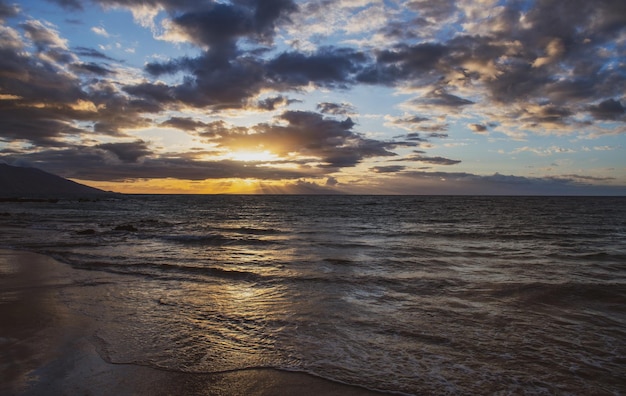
[{"x": 16, "y": 181}]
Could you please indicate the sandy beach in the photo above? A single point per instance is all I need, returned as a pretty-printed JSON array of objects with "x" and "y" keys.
[{"x": 46, "y": 348}]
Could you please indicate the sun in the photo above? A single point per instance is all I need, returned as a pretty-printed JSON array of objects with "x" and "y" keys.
[{"x": 253, "y": 156}]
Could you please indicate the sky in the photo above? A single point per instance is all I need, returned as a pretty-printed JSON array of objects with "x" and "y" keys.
[{"x": 326, "y": 96}]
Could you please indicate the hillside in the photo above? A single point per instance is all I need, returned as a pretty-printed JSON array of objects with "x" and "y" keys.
[{"x": 18, "y": 181}]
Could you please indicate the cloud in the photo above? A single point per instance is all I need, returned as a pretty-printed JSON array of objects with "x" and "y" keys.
[
  {"x": 183, "y": 123},
  {"x": 331, "y": 181},
  {"x": 543, "y": 151},
  {"x": 222, "y": 81},
  {"x": 127, "y": 152},
  {"x": 507, "y": 66},
  {"x": 219, "y": 25},
  {"x": 310, "y": 135},
  {"x": 545, "y": 116},
  {"x": 90, "y": 68},
  {"x": 327, "y": 67},
  {"x": 49, "y": 101},
  {"x": 92, "y": 53},
  {"x": 441, "y": 98},
  {"x": 609, "y": 109},
  {"x": 72, "y": 5},
  {"x": 478, "y": 128},
  {"x": 415, "y": 137},
  {"x": 587, "y": 178},
  {"x": 274, "y": 102},
  {"x": 215, "y": 81},
  {"x": 298, "y": 137},
  {"x": 97, "y": 164},
  {"x": 410, "y": 120},
  {"x": 43, "y": 35},
  {"x": 335, "y": 108},
  {"x": 418, "y": 63},
  {"x": 388, "y": 168},
  {"x": 100, "y": 31},
  {"x": 8, "y": 10},
  {"x": 430, "y": 160},
  {"x": 423, "y": 182}
]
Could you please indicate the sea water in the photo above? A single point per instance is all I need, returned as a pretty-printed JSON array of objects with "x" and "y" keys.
[{"x": 407, "y": 294}]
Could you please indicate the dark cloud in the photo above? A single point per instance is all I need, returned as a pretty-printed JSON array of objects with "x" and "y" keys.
[
  {"x": 95, "y": 163},
  {"x": 42, "y": 93},
  {"x": 388, "y": 169},
  {"x": 49, "y": 102},
  {"x": 219, "y": 25},
  {"x": 40, "y": 126},
  {"x": 32, "y": 78},
  {"x": 223, "y": 80},
  {"x": 42, "y": 36},
  {"x": 273, "y": 103},
  {"x": 432, "y": 160},
  {"x": 159, "y": 92},
  {"x": 215, "y": 80},
  {"x": 415, "y": 137},
  {"x": 335, "y": 108},
  {"x": 410, "y": 120},
  {"x": 328, "y": 66},
  {"x": 127, "y": 152},
  {"x": 441, "y": 98},
  {"x": 429, "y": 160},
  {"x": 535, "y": 116},
  {"x": 90, "y": 68},
  {"x": 171, "y": 67},
  {"x": 72, "y": 5},
  {"x": 478, "y": 128},
  {"x": 8, "y": 10},
  {"x": 112, "y": 121},
  {"x": 331, "y": 181},
  {"x": 417, "y": 63},
  {"x": 434, "y": 129},
  {"x": 609, "y": 109},
  {"x": 92, "y": 53},
  {"x": 434, "y": 10},
  {"x": 183, "y": 123}
]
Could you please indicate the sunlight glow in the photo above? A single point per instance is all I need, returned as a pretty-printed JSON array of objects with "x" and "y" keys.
[{"x": 253, "y": 156}]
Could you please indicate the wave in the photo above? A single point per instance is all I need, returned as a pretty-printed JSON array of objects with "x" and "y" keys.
[
  {"x": 555, "y": 294},
  {"x": 215, "y": 239},
  {"x": 252, "y": 230},
  {"x": 165, "y": 271}
]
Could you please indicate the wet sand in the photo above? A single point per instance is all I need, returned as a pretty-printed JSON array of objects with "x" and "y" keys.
[{"x": 45, "y": 348}]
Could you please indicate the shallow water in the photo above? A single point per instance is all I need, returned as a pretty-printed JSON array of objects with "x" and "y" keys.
[{"x": 406, "y": 294}]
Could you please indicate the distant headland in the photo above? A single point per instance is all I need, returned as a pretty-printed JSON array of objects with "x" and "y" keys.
[{"x": 18, "y": 182}]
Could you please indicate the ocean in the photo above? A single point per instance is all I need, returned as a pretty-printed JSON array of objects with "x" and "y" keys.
[{"x": 403, "y": 294}]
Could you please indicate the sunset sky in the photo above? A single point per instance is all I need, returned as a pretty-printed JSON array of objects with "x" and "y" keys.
[{"x": 350, "y": 96}]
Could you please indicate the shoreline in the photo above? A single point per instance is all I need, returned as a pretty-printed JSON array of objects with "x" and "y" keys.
[{"x": 46, "y": 348}]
